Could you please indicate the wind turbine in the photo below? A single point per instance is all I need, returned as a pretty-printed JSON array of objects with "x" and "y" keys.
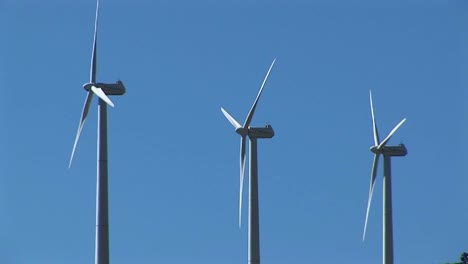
[
  {"x": 387, "y": 152},
  {"x": 253, "y": 133},
  {"x": 101, "y": 90}
]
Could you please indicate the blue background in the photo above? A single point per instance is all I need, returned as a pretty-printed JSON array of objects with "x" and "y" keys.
[{"x": 173, "y": 156}]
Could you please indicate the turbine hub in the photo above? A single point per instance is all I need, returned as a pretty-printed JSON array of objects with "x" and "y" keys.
[
  {"x": 242, "y": 131},
  {"x": 87, "y": 86},
  {"x": 375, "y": 150}
]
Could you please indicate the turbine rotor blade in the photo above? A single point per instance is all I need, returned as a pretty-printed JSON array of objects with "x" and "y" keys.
[
  {"x": 384, "y": 142},
  {"x": 84, "y": 114},
  {"x": 98, "y": 91},
  {"x": 374, "y": 124},
  {"x": 371, "y": 191},
  {"x": 252, "y": 110},
  {"x": 242, "y": 167},
  {"x": 230, "y": 118},
  {"x": 92, "y": 73}
]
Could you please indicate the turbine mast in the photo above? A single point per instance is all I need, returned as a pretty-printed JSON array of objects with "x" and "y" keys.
[
  {"x": 387, "y": 212},
  {"x": 254, "y": 229},
  {"x": 102, "y": 205}
]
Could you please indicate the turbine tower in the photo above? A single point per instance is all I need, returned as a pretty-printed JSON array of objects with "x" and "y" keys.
[
  {"x": 101, "y": 90},
  {"x": 378, "y": 149},
  {"x": 253, "y": 133}
]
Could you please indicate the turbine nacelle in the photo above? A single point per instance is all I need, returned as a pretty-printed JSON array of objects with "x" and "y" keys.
[
  {"x": 256, "y": 132},
  {"x": 394, "y": 151},
  {"x": 117, "y": 88},
  {"x": 261, "y": 132}
]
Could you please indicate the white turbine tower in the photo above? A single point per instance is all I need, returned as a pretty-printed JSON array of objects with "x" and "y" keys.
[
  {"x": 101, "y": 90},
  {"x": 387, "y": 152},
  {"x": 253, "y": 133}
]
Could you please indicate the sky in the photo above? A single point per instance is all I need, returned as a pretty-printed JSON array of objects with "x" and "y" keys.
[{"x": 174, "y": 158}]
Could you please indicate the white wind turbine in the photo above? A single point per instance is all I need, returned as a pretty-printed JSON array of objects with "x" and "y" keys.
[
  {"x": 387, "y": 152},
  {"x": 101, "y": 90},
  {"x": 253, "y": 133}
]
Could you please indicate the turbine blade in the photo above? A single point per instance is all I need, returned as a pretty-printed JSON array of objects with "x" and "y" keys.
[
  {"x": 241, "y": 186},
  {"x": 371, "y": 191},
  {"x": 230, "y": 118},
  {"x": 382, "y": 144},
  {"x": 84, "y": 114},
  {"x": 102, "y": 95},
  {"x": 92, "y": 73},
  {"x": 252, "y": 110},
  {"x": 374, "y": 124}
]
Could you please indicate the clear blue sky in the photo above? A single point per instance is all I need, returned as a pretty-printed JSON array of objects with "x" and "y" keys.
[{"x": 174, "y": 157}]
